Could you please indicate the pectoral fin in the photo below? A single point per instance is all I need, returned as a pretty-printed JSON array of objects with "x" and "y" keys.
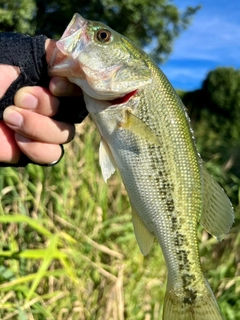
[
  {"x": 218, "y": 215},
  {"x": 138, "y": 127},
  {"x": 105, "y": 161},
  {"x": 143, "y": 236}
]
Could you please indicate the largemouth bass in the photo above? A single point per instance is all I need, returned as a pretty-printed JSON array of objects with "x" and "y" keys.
[{"x": 146, "y": 134}]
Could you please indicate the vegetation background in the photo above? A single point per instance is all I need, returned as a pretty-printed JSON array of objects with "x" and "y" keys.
[{"x": 67, "y": 247}]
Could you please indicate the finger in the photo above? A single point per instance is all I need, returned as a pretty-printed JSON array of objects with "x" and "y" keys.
[
  {"x": 59, "y": 86},
  {"x": 9, "y": 148},
  {"x": 39, "y": 152},
  {"x": 7, "y": 75},
  {"x": 38, "y": 127},
  {"x": 37, "y": 99}
]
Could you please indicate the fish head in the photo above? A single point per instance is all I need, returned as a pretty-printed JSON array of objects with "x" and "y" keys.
[{"x": 102, "y": 62}]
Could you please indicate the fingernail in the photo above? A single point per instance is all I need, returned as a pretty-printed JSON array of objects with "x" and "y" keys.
[
  {"x": 13, "y": 117},
  {"x": 27, "y": 101}
]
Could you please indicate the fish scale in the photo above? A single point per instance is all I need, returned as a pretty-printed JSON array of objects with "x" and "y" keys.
[{"x": 146, "y": 135}]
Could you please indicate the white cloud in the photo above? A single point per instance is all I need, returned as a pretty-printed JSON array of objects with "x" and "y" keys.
[{"x": 213, "y": 39}]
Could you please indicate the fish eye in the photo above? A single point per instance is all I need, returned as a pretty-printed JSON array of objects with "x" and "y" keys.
[{"x": 103, "y": 35}]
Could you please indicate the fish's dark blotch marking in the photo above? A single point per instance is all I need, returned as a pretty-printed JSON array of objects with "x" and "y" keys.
[
  {"x": 166, "y": 188},
  {"x": 184, "y": 263},
  {"x": 190, "y": 296},
  {"x": 162, "y": 179},
  {"x": 159, "y": 166},
  {"x": 187, "y": 279},
  {"x": 175, "y": 223},
  {"x": 179, "y": 239},
  {"x": 170, "y": 205},
  {"x": 163, "y": 194},
  {"x": 159, "y": 172}
]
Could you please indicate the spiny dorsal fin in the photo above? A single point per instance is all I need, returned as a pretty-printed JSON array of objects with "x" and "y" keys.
[
  {"x": 217, "y": 215},
  {"x": 105, "y": 161},
  {"x": 138, "y": 127},
  {"x": 143, "y": 236}
]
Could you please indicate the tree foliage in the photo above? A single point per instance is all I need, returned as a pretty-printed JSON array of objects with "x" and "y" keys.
[
  {"x": 148, "y": 23},
  {"x": 221, "y": 89},
  {"x": 154, "y": 23},
  {"x": 215, "y": 113},
  {"x": 218, "y": 102},
  {"x": 17, "y": 15}
]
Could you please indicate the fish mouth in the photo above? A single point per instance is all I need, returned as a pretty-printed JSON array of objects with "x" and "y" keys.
[
  {"x": 65, "y": 63},
  {"x": 76, "y": 24},
  {"x": 73, "y": 40}
]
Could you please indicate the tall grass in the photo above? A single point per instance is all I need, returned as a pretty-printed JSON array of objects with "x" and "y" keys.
[{"x": 68, "y": 250}]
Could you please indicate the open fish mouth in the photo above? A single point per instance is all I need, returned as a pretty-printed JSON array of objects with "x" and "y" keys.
[
  {"x": 73, "y": 40},
  {"x": 76, "y": 57}
]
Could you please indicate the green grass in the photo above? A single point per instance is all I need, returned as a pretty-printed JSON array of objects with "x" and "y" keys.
[{"x": 68, "y": 250}]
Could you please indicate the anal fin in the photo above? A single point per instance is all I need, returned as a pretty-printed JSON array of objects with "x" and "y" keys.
[{"x": 143, "y": 236}]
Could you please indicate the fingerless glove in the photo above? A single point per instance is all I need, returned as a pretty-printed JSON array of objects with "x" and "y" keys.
[{"x": 28, "y": 53}]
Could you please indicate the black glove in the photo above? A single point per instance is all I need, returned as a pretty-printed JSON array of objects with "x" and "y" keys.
[{"x": 28, "y": 53}]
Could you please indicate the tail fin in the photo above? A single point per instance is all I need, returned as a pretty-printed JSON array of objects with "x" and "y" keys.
[{"x": 204, "y": 307}]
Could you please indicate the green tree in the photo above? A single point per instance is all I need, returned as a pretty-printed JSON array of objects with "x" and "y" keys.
[
  {"x": 155, "y": 23},
  {"x": 222, "y": 98},
  {"x": 215, "y": 113},
  {"x": 218, "y": 103},
  {"x": 148, "y": 23},
  {"x": 17, "y": 15}
]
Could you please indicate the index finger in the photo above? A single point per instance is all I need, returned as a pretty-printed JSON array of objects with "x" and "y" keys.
[{"x": 37, "y": 99}]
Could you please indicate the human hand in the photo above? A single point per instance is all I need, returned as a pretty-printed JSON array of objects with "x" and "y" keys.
[{"x": 27, "y": 127}]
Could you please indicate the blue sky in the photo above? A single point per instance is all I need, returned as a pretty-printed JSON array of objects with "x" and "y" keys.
[{"x": 211, "y": 40}]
